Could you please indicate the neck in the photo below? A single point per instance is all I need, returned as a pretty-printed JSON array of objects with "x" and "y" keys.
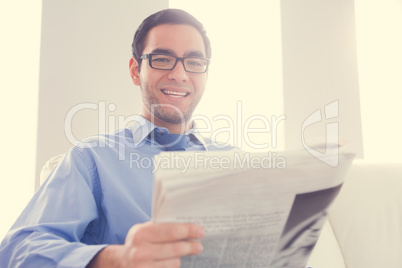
[{"x": 179, "y": 128}]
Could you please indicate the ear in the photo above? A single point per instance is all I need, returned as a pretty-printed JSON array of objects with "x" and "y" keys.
[{"x": 133, "y": 68}]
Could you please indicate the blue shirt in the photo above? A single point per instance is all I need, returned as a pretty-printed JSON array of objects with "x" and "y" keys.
[{"x": 100, "y": 189}]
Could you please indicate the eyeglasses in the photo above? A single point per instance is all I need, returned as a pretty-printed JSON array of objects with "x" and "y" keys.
[{"x": 168, "y": 62}]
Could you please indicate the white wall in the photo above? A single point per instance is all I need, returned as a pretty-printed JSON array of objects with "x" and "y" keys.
[
  {"x": 320, "y": 68},
  {"x": 379, "y": 50},
  {"x": 19, "y": 70},
  {"x": 84, "y": 61},
  {"x": 245, "y": 76}
]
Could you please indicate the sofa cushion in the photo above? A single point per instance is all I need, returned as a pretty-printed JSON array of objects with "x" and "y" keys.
[{"x": 367, "y": 215}]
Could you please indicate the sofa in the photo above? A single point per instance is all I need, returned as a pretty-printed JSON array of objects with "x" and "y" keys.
[{"x": 364, "y": 227}]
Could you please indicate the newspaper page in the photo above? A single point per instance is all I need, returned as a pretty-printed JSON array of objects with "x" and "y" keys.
[{"x": 255, "y": 213}]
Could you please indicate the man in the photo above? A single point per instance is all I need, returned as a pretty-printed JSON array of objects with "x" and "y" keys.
[{"x": 95, "y": 208}]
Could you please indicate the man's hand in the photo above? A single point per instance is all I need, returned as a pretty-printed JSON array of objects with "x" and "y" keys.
[{"x": 152, "y": 245}]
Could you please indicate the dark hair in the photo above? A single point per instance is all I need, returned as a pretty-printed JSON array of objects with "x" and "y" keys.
[{"x": 166, "y": 16}]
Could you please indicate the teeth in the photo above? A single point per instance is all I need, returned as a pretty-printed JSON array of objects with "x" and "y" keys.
[
  {"x": 174, "y": 93},
  {"x": 175, "y": 96}
]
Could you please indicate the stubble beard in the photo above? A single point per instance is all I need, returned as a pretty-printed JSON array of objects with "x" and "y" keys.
[{"x": 168, "y": 113}]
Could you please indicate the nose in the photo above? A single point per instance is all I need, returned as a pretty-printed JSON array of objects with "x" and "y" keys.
[{"x": 178, "y": 73}]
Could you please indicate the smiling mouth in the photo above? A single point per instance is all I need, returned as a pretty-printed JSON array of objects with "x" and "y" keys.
[{"x": 175, "y": 94}]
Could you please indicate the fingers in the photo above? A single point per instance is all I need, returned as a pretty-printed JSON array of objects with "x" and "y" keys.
[
  {"x": 153, "y": 244},
  {"x": 172, "y": 263},
  {"x": 168, "y": 263},
  {"x": 166, "y": 251},
  {"x": 164, "y": 232},
  {"x": 177, "y": 249}
]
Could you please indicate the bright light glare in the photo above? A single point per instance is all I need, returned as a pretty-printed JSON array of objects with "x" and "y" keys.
[
  {"x": 19, "y": 67},
  {"x": 245, "y": 76},
  {"x": 379, "y": 47}
]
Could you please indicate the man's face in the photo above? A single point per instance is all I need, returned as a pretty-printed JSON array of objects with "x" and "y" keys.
[{"x": 170, "y": 95}]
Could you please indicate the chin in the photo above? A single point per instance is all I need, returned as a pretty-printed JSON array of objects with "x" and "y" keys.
[{"x": 173, "y": 118}]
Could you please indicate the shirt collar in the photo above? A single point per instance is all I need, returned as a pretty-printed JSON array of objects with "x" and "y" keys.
[
  {"x": 195, "y": 136},
  {"x": 142, "y": 128}
]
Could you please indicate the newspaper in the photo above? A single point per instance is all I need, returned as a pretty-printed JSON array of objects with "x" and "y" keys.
[{"x": 258, "y": 209}]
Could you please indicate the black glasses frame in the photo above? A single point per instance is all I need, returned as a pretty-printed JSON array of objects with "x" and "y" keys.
[{"x": 181, "y": 59}]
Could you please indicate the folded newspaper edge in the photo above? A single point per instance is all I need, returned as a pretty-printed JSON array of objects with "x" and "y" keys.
[{"x": 258, "y": 209}]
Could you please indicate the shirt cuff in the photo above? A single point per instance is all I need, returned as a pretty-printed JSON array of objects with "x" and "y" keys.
[{"x": 81, "y": 256}]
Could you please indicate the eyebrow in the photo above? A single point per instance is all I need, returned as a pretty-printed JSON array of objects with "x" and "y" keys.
[{"x": 192, "y": 53}]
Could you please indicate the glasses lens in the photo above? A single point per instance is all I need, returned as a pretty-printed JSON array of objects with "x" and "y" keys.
[
  {"x": 195, "y": 65},
  {"x": 162, "y": 61}
]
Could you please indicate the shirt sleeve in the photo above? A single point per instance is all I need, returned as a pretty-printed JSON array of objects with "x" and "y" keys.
[{"x": 60, "y": 225}]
